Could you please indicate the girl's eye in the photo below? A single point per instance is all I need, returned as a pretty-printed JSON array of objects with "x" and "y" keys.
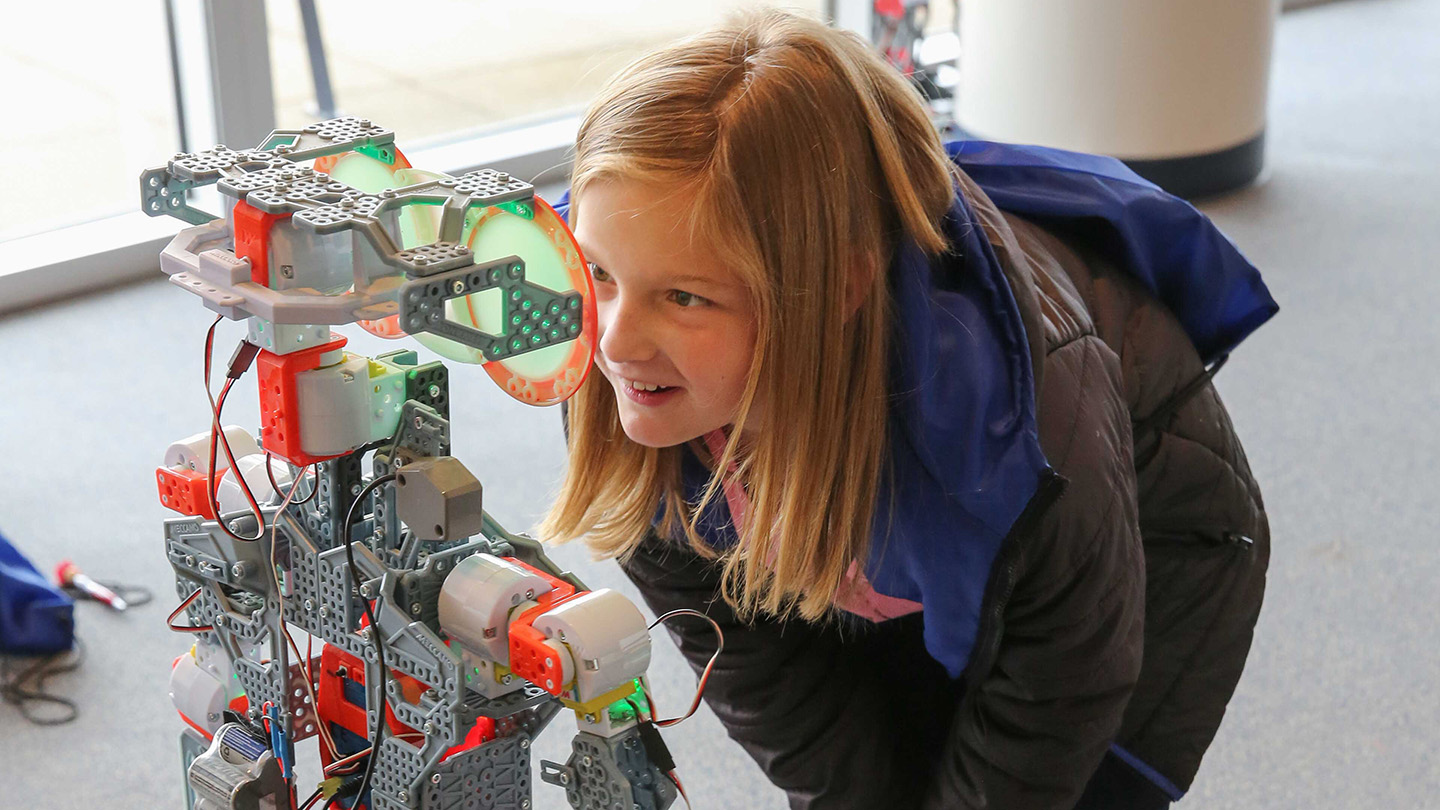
[
  {"x": 686, "y": 299},
  {"x": 597, "y": 273}
]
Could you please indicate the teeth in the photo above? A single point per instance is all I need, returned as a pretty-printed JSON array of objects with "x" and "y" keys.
[{"x": 640, "y": 386}]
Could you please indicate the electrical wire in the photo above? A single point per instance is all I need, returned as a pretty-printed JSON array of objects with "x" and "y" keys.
[
  {"x": 216, "y": 432},
  {"x": 298, "y": 474},
  {"x": 676, "y": 779},
  {"x": 308, "y": 675},
  {"x": 704, "y": 676},
  {"x": 383, "y": 708},
  {"x": 13, "y": 689},
  {"x": 170, "y": 622},
  {"x": 218, "y": 437},
  {"x": 314, "y": 797}
]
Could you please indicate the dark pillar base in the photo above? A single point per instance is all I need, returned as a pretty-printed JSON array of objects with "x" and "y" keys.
[{"x": 1202, "y": 175}]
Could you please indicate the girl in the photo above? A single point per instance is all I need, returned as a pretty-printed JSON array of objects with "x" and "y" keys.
[{"x": 928, "y": 431}]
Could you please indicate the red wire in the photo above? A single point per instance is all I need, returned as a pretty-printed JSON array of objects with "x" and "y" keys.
[
  {"x": 217, "y": 406},
  {"x": 170, "y": 622},
  {"x": 704, "y": 676},
  {"x": 676, "y": 779}
]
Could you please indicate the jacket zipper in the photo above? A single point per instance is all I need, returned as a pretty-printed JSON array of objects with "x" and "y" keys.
[
  {"x": 1051, "y": 488},
  {"x": 1221, "y": 539}
]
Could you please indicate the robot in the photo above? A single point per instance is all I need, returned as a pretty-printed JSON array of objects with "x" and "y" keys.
[{"x": 446, "y": 642}]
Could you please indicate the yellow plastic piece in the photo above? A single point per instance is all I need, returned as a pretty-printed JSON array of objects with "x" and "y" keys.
[{"x": 599, "y": 704}]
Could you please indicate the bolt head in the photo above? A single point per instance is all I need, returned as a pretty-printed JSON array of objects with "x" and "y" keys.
[
  {"x": 586, "y": 759},
  {"x": 428, "y": 728},
  {"x": 238, "y": 569},
  {"x": 524, "y": 743},
  {"x": 435, "y": 780},
  {"x": 415, "y": 608}
]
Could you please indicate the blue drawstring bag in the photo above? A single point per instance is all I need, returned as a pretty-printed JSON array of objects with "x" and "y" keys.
[{"x": 36, "y": 617}]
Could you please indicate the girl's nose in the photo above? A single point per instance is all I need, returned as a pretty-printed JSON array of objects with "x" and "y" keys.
[{"x": 625, "y": 331}]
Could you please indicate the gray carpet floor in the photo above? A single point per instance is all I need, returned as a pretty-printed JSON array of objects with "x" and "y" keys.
[{"x": 1335, "y": 400}]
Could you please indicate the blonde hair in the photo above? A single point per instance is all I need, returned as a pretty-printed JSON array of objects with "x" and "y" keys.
[{"x": 804, "y": 159}]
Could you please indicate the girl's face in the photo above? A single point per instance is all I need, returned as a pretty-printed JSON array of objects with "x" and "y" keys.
[{"x": 676, "y": 333}]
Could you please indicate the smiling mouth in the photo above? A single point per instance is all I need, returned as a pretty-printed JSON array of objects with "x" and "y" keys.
[{"x": 646, "y": 393}]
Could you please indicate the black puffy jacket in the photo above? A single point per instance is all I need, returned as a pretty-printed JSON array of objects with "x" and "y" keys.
[{"x": 1116, "y": 618}]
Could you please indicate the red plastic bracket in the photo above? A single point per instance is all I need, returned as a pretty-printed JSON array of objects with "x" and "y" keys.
[
  {"x": 280, "y": 399},
  {"x": 184, "y": 491},
  {"x": 252, "y": 239},
  {"x": 338, "y": 666},
  {"x": 530, "y": 657}
]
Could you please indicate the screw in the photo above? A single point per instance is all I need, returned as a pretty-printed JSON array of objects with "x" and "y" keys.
[
  {"x": 590, "y": 718},
  {"x": 435, "y": 780},
  {"x": 287, "y": 271},
  {"x": 309, "y": 605},
  {"x": 419, "y": 423},
  {"x": 530, "y": 594},
  {"x": 237, "y": 570},
  {"x": 428, "y": 728},
  {"x": 457, "y": 287},
  {"x": 190, "y": 559},
  {"x": 405, "y": 797},
  {"x": 564, "y": 778},
  {"x": 365, "y": 590},
  {"x": 587, "y": 760},
  {"x": 324, "y": 611},
  {"x": 507, "y": 679},
  {"x": 524, "y": 743},
  {"x": 415, "y": 608}
]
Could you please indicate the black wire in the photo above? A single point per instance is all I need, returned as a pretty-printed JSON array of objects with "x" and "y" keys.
[
  {"x": 13, "y": 691},
  {"x": 374, "y": 627},
  {"x": 310, "y": 801}
]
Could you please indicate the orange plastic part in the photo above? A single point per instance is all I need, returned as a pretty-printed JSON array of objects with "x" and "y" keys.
[
  {"x": 184, "y": 491},
  {"x": 280, "y": 400},
  {"x": 530, "y": 657},
  {"x": 252, "y": 239},
  {"x": 337, "y": 666}
]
